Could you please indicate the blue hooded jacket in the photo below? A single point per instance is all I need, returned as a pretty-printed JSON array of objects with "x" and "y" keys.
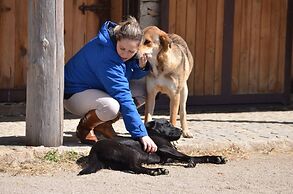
[{"x": 98, "y": 66}]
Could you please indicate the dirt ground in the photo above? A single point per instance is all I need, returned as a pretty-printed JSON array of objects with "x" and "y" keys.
[
  {"x": 256, "y": 173},
  {"x": 54, "y": 170}
]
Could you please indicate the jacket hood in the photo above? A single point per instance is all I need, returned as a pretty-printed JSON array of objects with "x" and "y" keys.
[{"x": 103, "y": 36}]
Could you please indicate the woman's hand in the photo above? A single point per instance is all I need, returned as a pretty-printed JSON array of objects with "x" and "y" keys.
[
  {"x": 142, "y": 61},
  {"x": 148, "y": 144}
]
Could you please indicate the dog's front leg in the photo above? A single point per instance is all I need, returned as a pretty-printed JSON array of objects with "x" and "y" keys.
[
  {"x": 169, "y": 154},
  {"x": 150, "y": 101},
  {"x": 183, "y": 120},
  {"x": 137, "y": 168},
  {"x": 209, "y": 159},
  {"x": 174, "y": 108}
]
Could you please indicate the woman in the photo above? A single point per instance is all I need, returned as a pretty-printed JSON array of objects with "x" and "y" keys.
[{"x": 97, "y": 83}]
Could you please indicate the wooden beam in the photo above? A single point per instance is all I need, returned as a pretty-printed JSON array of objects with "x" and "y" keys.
[{"x": 44, "y": 111}]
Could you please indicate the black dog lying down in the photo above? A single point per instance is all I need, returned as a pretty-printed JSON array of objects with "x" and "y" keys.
[{"x": 124, "y": 153}]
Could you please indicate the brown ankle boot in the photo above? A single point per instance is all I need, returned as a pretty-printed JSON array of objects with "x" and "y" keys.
[
  {"x": 84, "y": 130},
  {"x": 106, "y": 129}
]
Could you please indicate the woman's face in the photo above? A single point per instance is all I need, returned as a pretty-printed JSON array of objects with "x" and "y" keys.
[{"x": 127, "y": 48}]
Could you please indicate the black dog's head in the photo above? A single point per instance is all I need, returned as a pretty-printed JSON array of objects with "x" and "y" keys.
[{"x": 163, "y": 128}]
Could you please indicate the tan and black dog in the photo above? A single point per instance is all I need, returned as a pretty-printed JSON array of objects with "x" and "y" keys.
[{"x": 171, "y": 63}]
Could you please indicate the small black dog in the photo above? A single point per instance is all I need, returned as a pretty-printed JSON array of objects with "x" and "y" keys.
[{"x": 124, "y": 153}]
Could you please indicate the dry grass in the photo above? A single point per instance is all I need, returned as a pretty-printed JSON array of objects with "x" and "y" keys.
[
  {"x": 48, "y": 162},
  {"x": 40, "y": 163},
  {"x": 233, "y": 152}
]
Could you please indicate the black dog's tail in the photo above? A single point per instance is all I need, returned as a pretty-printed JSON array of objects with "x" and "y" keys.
[
  {"x": 88, "y": 170},
  {"x": 93, "y": 166}
]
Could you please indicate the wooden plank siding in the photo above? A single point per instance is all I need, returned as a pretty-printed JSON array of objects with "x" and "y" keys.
[
  {"x": 200, "y": 23},
  {"x": 116, "y": 10},
  {"x": 78, "y": 29},
  {"x": 190, "y": 38},
  {"x": 242, "y": 48},
  {"x": 21, "y": 44},
  {"x": 13, "y": 47},
  {"x": 7, "y": 43},
  {"x": 76, "y": 32},
  {"x": 259, "y": 46}
]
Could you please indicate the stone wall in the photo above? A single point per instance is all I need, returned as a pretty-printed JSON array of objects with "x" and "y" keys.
[{"x": 149, "y": 13}]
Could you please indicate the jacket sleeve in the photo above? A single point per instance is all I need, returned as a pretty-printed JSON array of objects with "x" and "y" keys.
[
  {"x": 137, "y": 71},
  {"x": 112, "y": 76}
]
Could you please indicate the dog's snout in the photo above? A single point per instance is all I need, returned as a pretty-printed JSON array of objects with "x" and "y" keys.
[
  {"x": 139, "y": 54},
  {"x": 176, "y": 132}
]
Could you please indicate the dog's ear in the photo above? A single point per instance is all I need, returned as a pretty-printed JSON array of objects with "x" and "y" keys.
[
  {"x": 150, "y": 125},
  {"x": 165, "y": 41}
]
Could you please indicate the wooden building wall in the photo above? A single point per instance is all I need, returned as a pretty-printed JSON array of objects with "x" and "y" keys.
[
  {"x": 13, "y": 43},
  {"x": 79, "y": 28},
  {"x": 239, "y": 47},
  {"x": 202, "y": 28},
  {"x": 259, "y": 39}
]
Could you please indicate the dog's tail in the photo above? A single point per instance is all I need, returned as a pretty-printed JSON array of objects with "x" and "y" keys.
[
  {"x": 88, "y": 170},
  {"x": 93, "y": 165},
  {"x": 180, "y": 41}
]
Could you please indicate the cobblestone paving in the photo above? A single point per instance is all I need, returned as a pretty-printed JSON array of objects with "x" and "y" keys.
[{"x": 255, "y": 131}]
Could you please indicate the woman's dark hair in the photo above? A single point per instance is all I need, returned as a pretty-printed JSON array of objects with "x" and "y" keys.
[{"x": 129, "y": 29}]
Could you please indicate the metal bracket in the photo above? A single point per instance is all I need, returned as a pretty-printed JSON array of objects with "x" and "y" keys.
[{"x": 93, "y": 8}]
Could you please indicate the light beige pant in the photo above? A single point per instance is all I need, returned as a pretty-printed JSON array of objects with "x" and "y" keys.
[{"x": 107, "y": 108}]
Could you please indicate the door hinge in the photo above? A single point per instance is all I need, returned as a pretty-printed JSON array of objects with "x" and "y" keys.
[{"x": 93, "y": 8}]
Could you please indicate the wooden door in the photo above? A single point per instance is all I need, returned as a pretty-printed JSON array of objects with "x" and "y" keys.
[
  {"x": 82, "y": 19},
  {"x": 239, "y": 48},
  {"x": 259, "y": 46},
  {"x": 13, "y": 44},
  {"x": 202, "y": 27},
  {"x": 82, "y": 22}
]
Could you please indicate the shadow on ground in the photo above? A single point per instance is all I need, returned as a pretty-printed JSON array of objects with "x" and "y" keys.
[
  {"x": 16, "y": 112},
  {"x": 69, "y": 139}
]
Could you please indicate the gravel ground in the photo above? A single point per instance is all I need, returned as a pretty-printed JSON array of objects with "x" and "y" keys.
[
  {"x": 258, "y": 174},
  {"x": 257, "y": 143}
]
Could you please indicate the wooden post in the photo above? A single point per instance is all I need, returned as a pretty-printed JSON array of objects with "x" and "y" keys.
[{"x": 44, "y": 106}]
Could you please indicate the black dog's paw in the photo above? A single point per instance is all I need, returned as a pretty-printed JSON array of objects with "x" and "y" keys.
[
  {"x": 217, "y": 160},
  {"x": 159, "y": 171},
  {"x": 190, "y": 164}
]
